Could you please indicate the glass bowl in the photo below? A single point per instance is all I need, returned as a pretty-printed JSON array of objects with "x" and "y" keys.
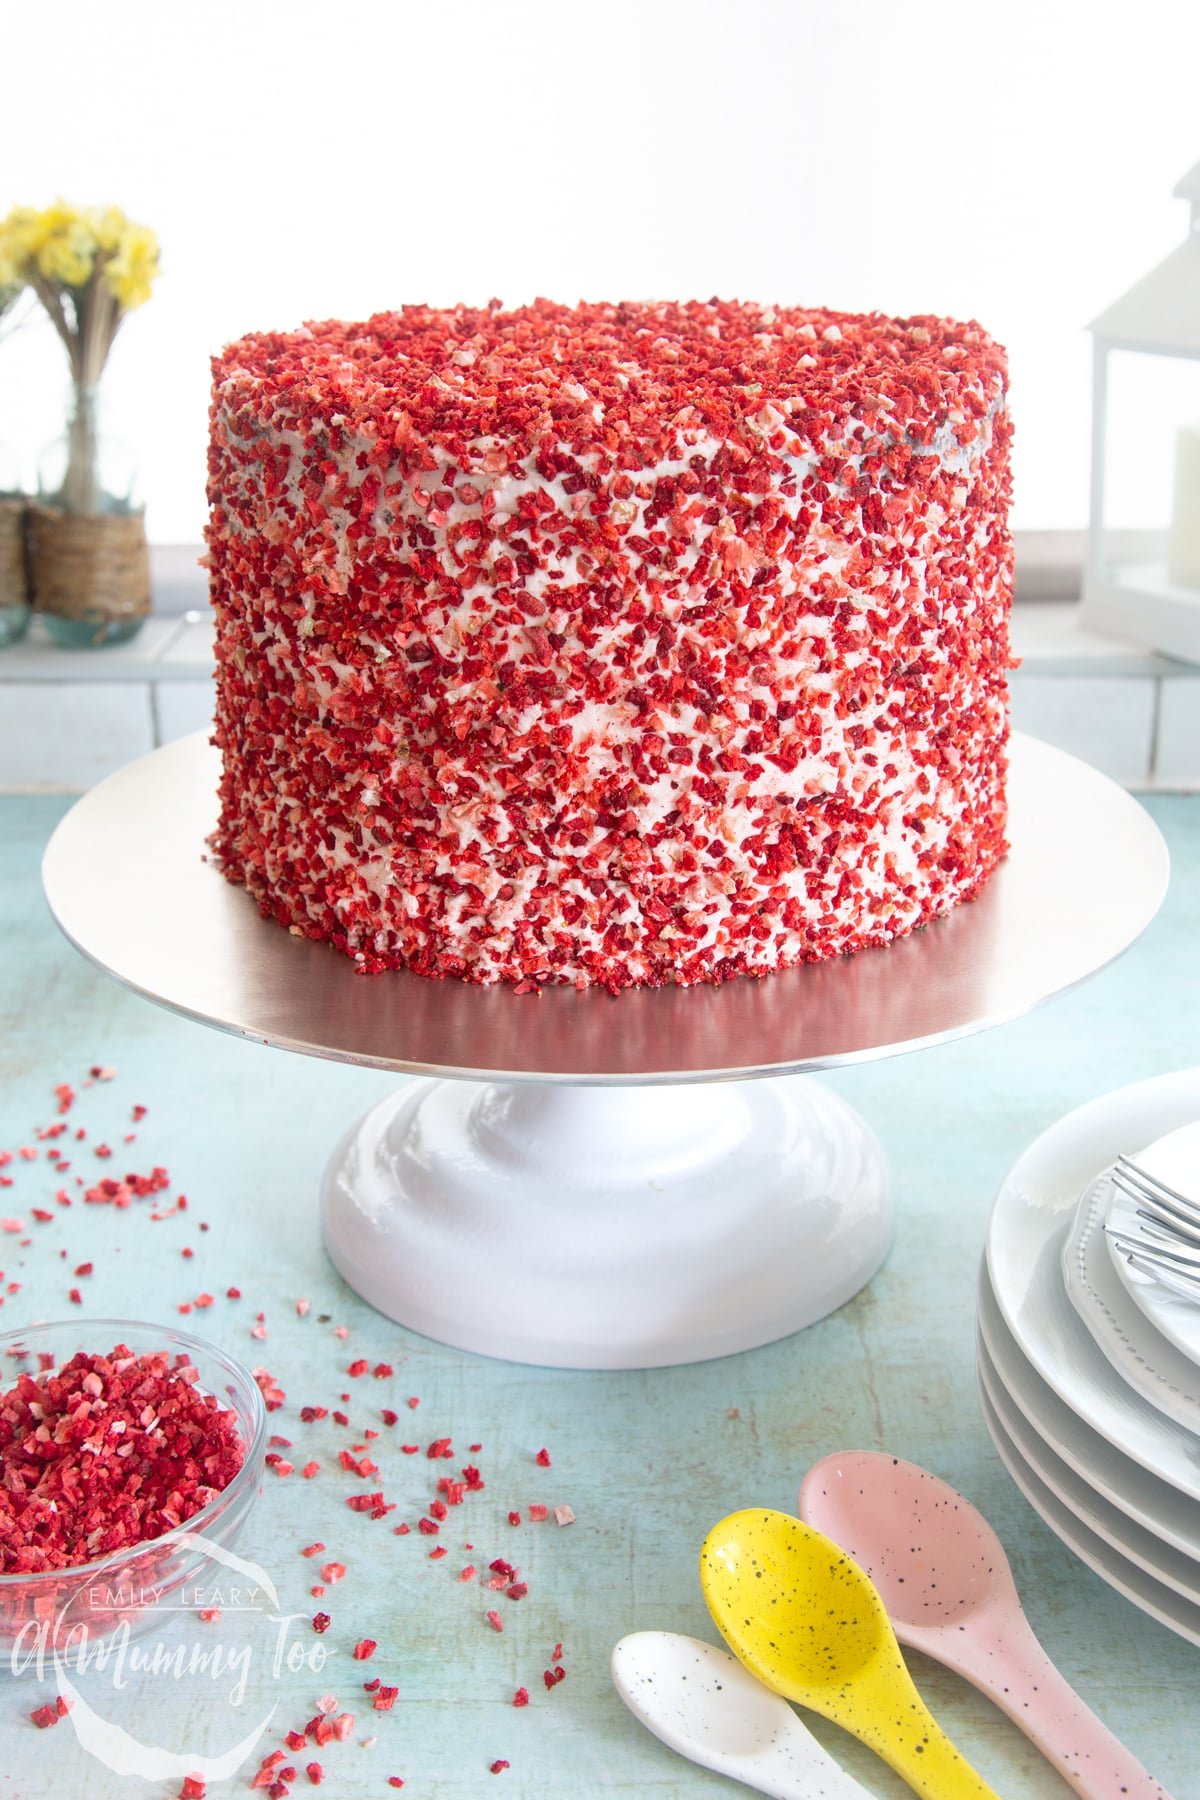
[{"x": 47, "y": 1609}]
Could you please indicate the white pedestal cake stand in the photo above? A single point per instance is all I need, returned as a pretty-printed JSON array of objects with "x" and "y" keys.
[{"x": 591, "y": 1187}]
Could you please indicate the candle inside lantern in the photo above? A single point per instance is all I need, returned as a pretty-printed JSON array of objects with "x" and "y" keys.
[{"x": 1183, "y": 542}]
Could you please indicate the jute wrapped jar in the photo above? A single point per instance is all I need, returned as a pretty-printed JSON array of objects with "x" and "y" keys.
[
  {"x": 14, "y": 578},
  {"x": 91, "y": 573}
]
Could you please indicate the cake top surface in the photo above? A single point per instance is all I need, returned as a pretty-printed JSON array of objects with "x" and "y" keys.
[{"x": 627, "y": 371}]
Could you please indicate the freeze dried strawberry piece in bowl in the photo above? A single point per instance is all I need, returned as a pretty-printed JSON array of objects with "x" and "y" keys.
[{"x": 114, "y": 1462}]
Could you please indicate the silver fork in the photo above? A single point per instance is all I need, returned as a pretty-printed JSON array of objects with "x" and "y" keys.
[
  {"x": 1173, "y": 1211},
  {"x": 1173, "y": 1268},
  {"x": 1165, "y": 1241}
]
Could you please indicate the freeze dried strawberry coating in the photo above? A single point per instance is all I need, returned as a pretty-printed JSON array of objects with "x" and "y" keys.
[
  {"x": 610, "y": 644},
  {"x": 107, "y": 1452}
]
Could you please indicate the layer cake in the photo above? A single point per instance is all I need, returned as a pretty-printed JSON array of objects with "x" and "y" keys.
[{"x": 610, "y": 644}]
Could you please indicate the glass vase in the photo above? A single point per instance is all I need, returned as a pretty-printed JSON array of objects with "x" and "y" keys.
[{"x": 89, "y": 560}]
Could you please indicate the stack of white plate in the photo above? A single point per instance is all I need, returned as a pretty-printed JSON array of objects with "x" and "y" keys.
[{"x": 1089, "y": 1374}]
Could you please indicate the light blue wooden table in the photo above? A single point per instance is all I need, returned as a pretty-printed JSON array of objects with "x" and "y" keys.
[{"x": 648, "y": 1461}]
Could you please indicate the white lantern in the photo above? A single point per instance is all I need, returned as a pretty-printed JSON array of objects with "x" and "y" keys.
[{"x": 1141, "y": 575}]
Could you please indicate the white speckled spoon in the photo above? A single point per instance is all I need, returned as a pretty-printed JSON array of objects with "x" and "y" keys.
[
  {"x": 701, "y": 1702},
  {"x": 942, "y": 1574}
]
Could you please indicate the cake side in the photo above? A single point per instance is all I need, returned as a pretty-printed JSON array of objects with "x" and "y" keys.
[{"x": 611, "y": 644}]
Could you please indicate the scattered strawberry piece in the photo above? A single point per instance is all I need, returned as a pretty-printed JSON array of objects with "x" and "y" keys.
[{"x": 273, "y": 1395}]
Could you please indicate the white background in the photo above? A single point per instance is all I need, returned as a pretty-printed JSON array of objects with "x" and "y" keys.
[{"x": 1006, "y": 160}]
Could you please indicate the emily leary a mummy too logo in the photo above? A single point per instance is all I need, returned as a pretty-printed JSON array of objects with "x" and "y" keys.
[{"x": 116, "y": 1655}]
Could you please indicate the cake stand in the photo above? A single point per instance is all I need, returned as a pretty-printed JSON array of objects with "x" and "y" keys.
[{"x": 590, "y": 1181}]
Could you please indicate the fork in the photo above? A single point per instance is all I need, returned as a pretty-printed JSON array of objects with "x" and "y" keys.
[
  {"x": 1155, "y": 1200},
  {"x": 1179, "y": 1273}
]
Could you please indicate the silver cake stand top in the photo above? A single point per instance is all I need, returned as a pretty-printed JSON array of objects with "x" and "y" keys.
[{"x": 126, "y": 880}]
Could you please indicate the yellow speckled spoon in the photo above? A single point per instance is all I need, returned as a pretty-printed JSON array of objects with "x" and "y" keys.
[{"x": 804, "y": 1618}]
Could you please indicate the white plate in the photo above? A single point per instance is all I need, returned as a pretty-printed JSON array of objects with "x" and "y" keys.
[
  {"x": 1177, "y": 1572},
  {"x": 1142, "y": 1589},
  {"x": 1162, "y": 1509},
  {"x": 1029, "y": 1221},
  {"x": 1134, "y": 1346},
  {"x": 1175, "y": 1159}
]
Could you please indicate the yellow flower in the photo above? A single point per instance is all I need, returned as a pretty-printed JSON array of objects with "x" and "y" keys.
[
  {"x": 107, "y": 224},
  {"x": 130, "y": 271},
  {"x": 63, "y": 244},
  {"x": 68, "y": 259},
  {"x": 16, "y": 235},
  {"x": 10, "y": 266}
]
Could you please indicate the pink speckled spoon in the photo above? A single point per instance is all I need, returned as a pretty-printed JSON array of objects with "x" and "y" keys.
[{"x": 945, "y": 1581}]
